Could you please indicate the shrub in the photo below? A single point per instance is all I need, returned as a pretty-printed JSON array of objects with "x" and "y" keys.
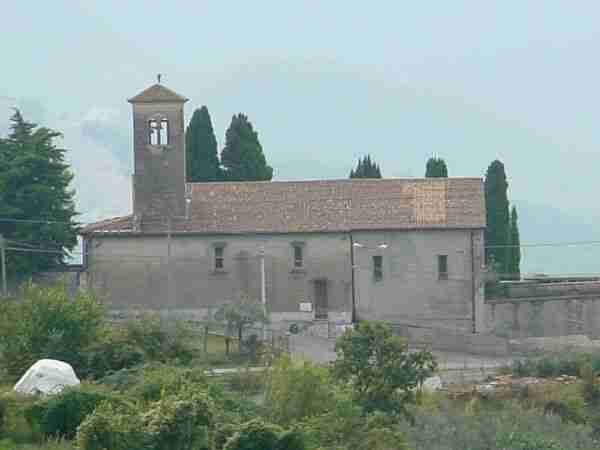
[
  {"x": 154, "y": 382},
  {"x": 291, "y": 440},
  {"x": 527, "y": 441},
  {"x": 114, "y": 427},
  {"x": 254, "y": 435},
  {"x": 174, "y": 423},
  {"x": 60, "y": 415},
  {"x": 160, "y": 339},
  {"x": 3, "y": 411},
  {"x": 295, "y": 390},
  {"x": 110, "y": 356},
  {"x": 47, "y": 323}
]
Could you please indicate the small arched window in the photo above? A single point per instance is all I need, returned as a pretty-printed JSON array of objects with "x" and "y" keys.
[
  {"x": 153, "y": 136},
  {"x": 158, "y": 132},
  {"x": 164, "y": 132}
]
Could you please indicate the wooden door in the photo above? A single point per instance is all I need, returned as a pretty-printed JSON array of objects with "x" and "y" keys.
[{"x": 321, "y": 301}]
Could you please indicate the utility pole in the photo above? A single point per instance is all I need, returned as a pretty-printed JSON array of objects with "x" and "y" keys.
[{"x": 3, "y": 263}]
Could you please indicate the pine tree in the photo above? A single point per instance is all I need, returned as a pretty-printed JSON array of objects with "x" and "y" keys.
[
  {"x": 498, "y": 222},
  {"x": 35, "y": 185},
  {"x": 436, "y": 168},
  {"x": 243, "y": 158},
  {"x": 365, "y": 168},
  {"x": 515, "y": 245},
  {"x": 202, "y": 160}
]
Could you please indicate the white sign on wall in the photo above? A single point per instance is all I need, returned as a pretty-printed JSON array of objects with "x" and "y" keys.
[{"x": 306, "y": 307}]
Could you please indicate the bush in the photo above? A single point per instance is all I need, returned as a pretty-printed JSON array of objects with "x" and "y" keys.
[
  {"x": 254, "y": 435},
  {"x": 47, "y": 323},
  {"x": 154, "y": 382},
  {"x": 526, "y": 441},
  {"x": 296, "y": 390},
  {"x": 110, "y": 356},
  {"x": 174, "y": 423},
  {"x": 3, "y": 411},
  {"x": 160, "y": 339},
  {"x": 114, "y": 427},
  {"x": 60, "y": 415}
]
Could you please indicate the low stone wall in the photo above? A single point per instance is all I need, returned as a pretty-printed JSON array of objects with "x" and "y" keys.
[{"x": 545, "y": 309}]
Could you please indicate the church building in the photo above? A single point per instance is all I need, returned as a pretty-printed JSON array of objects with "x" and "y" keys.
[{"x": 409, "y": 251}]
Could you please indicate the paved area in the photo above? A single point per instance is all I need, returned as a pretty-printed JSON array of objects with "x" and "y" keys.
[{"x": 321, "y": 350}]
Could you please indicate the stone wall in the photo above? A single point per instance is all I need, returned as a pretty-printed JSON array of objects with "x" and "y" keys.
[{"x": 533, "y": 309}]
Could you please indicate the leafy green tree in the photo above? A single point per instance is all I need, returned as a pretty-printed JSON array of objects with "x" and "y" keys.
[
  {"x": 202, "y": 158},
  {"x": 238, "y": 316},
  {"x": 365, "y": 168},
  {"x": 498, "y": 221},
  {"x": 436, "y": 168},
  {"x": 48, "y": 323},
  {"x": 243, "y": 158},
  {"x": 379, "y": 368},
  {"x": 515, "y": 245},
  {"x": 35, "y": 185}
]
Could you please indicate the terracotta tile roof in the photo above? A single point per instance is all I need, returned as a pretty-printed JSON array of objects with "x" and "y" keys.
[
  {"x": 157, "y": 93},
  {"x": 322, "y": 206}
]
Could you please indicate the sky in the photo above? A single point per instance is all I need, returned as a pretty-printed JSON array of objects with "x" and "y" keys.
[{"x": 326, "y": 82}]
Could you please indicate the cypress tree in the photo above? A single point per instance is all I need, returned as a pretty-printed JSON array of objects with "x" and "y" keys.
[
  {"x": 202, "y": 160},
  {"x": 436, "y": 168},
  {"x": 35, "y": 186},
  {"x": 366, "y": 168},
  {"x": 498, "y": 222},
  {"x": 515, "y": 245},
  {"x": 243, "y": 158}
]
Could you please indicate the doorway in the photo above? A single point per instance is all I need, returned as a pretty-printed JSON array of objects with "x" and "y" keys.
[{"x": 321, "y": 300}]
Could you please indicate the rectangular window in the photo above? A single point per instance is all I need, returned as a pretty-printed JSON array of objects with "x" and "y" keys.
[
  {"x": 164, "y": 132},
  {"x": 378, "y": 267},
  {"x": 442, "y": 267},
  {"x": 219, "y": 258},
  {"x": 298, "y": 256},
  {"x": 153, "y": 132}
]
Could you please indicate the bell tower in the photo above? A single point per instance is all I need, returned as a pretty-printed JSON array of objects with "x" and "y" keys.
[{"x": 159, "y": 154}]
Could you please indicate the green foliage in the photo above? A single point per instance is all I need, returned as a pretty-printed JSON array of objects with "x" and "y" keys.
[
  {"x": 379, "y": 368},
  {"x": 365, "y": 168},
  {"x": 115, "y": 427},
  {"x": 548, "y": 366},
  {"x": 296, "y": 390},
  {"x": 154, "y": 382},
  {"x": 490, "y": 429},
  {"x": 243, "y": 158},
  {"x": 436, "y": 168},
  {"x": 47, "y": 323},
  {"x": 254, "y": 435},
  {"x": 201, "y": 159},
  {"x": 179, "y": 423},
  {"x": 291, "y": 440},
  {"x": 497, "y": 232},
  {"x": 514, "y": 261},
  {"x": 591, "y": 386},
  {"x": 35, "y": 184},
  {"x": 3, "y": 412},
  {"x": 110, "y": 356},
  {"x": 527, "y": 441},
  {"x": 161, "y": 339},
  {"x": 60, "y": 415}
]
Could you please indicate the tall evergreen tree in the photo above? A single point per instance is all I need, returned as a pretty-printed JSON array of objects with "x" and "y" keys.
[
  {"x": 35, "y": 186},
  {"x": 498, "y": 227},
  {"x": 202, "y": 159},
  {"x": 243, "y": 158},
  {"x": 365, "y": 168},
  {"x": 436, "y": 168},
  {"x": 515, "y": 245}
]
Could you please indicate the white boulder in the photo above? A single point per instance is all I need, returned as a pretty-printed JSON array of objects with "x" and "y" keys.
[
  {"x": 47, "y": 376},
  {"x": 432, "y": 384}
]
